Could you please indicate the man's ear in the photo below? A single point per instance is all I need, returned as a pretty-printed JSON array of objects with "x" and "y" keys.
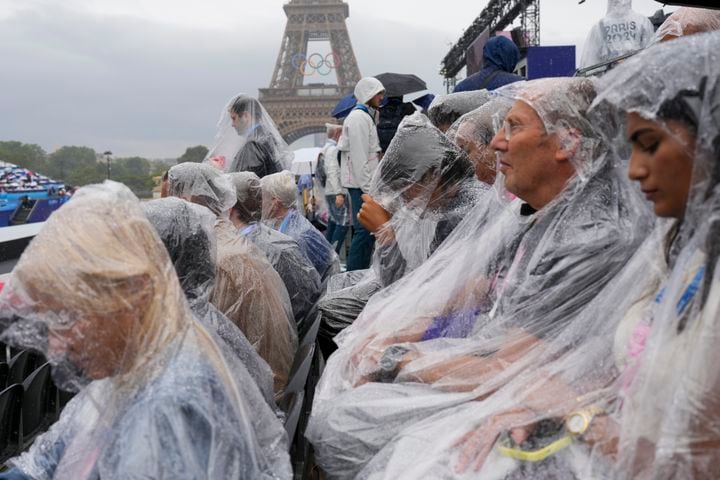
[{"x": 569, "y": 139}]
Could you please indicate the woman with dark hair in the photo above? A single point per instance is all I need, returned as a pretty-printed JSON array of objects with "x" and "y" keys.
[{"x": 668, "y": 413}]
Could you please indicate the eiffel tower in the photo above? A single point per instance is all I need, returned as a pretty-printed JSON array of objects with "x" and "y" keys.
[{"x": 298, "y": 109}]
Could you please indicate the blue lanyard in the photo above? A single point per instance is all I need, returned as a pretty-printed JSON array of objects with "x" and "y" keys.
[
  {"x": 365, "y": 109},
  {"x": 248, "y": 230},
  {"x": 690, "y": 291},
  {"x": 687, "y": 295},
  {"x": 285, "y": 222}
]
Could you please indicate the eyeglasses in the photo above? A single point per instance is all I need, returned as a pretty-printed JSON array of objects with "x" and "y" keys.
[{"x": 511, "y": 129}]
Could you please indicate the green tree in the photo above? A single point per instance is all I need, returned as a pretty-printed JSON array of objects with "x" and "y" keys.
[
  {"x": 193, "y": 154},
  {"x": 136, "y": 173},
  {"x": 25, "y": 155},
  {"x": 75, "y": 166}
]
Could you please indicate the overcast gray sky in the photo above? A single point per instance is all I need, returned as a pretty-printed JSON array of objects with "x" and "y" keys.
[{"x": 149, "y": 77}]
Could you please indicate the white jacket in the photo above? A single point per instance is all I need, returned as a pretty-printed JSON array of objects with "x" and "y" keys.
[
  {"x": 620, "y": 32},
  {"x": 333, "y": 185},
  {"x": 360, "y": 149}
]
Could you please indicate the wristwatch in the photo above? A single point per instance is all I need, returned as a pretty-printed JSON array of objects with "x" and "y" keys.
[
  {"x": 578, "y": 422},
  {"x": 390, "y": 362}
]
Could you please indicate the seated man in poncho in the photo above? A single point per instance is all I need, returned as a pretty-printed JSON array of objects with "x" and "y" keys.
[{"x": 503, "y": 287}]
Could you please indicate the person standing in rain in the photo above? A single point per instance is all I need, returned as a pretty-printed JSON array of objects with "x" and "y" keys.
[
  {"x": 260, "y": 151},
  {"x": 335, "y": 194},
  {"x": 620, "y": 32},
  {"x": 500, "y": 56},
  {"x": 360, "y": 149}
]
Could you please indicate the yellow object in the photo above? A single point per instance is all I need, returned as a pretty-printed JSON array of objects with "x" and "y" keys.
[
  {"x": 537, "y": 455},
  {"x": 578, "y": 422}
]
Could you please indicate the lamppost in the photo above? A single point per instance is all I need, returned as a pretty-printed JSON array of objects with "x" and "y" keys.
[{"x": 107, "y": 161}]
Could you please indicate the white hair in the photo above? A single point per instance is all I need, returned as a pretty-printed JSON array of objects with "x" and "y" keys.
[
  {"x": 280, "y": 185},
  {"x": 331, "y": 128}
]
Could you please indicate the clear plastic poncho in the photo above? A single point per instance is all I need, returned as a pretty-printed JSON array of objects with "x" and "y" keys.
[
  {"x": 426, "y": 183},
  {"x": 667, "y": 422},
  {"x": 298, "y": 274},
  {"x": 201, "y": 184},
  {"x": 446, "y": 109},
  {"x": 620, "y": 32},
  {"x": 499, "y": 299},
  {"x": 96, "y": 292},
  {"x": 473, "y": 132},
  {"x": 280, "y": 212},
  {"x": 187, "y": 230},
  {"x": 227, "y": 142},
  {"x": 248, "y": 140},
  {"x": 247, "y": 289},
  {"x": 688, "y": 21}
]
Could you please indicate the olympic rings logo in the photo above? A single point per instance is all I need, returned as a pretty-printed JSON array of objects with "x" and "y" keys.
[{"x": 315, "y": 63}]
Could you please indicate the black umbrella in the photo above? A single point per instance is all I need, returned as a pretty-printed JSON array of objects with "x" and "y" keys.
[
  {"x": 399, "y": 84},
  {"x": 691, "y": 3}
]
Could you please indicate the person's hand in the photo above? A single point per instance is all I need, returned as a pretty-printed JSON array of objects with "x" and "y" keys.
[
  {"x": 339, "y": 201},
  {"x": 520, "y": 435},
  {"x": 604, "y": 434},
  {"x": 476, "y": 445},
  {"x": 372, "y": 216},
  {"x": 366, "y": 358}
]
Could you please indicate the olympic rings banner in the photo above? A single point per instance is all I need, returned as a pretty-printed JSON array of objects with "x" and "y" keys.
[{"x": 309, "y": 65}]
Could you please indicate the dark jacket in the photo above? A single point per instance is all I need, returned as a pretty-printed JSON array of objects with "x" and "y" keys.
[
  {"x": 258, "y": 155},
  {"x": 500, "y": 56}
]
